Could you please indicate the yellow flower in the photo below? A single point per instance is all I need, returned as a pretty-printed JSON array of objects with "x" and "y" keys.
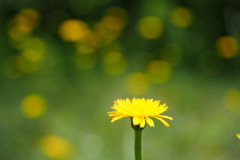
[
  {"x": 139, "y": 110},
  {"x": 238, "y": 135}
]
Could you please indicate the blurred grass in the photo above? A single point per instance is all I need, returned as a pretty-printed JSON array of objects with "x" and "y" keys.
[
  {"x": 179, "y": 53},
  {"x": 203, "y": 127}
]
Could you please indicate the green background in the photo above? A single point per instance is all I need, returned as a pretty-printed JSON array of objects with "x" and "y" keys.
[{"x": 195, "y": 74}]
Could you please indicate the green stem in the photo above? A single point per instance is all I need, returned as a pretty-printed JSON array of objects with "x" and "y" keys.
[
  {"x": 138, "y": 143},
  {"x": 138, "y": 140}
]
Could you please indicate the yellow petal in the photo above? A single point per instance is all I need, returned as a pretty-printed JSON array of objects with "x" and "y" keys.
[
  {"x": 238, "y": 136},
  {"x": 113, "y": 119},
  {"x": 142, "y": 123},
  {"x": 136, "y": 120},
  {"x": 162, "y": 108},
  {"x": 113, "y": 114},
  {"x": 150, "y": 122},
  {"x": 167, "y": 117},
  {"x": 140, "y": 110},
  {"x": 163, "y": 121}
]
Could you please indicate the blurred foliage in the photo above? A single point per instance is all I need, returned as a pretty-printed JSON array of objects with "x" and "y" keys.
[{"x": 64, "y": 62}]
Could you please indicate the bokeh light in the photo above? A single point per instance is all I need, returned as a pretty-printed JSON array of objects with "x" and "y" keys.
[
  {"x": 114, "y": 63},
  {"x": 91, "y": 43},
  {"x": 137, "y": 83},
  {"x": 159, "y": 71},
  {"x": 23, "y": 23},
  {"x": 55, "y": 147},
  {"x": 115, "y": 19},
  {"x": 25, "y": 65},
  {"x": 227, "y": 47},
  {"x": 105, "y": 33},
  {"x": 73, "y": 30},
  {"x": 150, "y": 27},
  {"x": 232, "y": 99},
  {"x": 181, "y": 17},
  {"x": 238, "y": 135},
  {"x": 33, "y": 106},
  {"x": 33, "y": 49},
  {"x": 17, "y": 65}
]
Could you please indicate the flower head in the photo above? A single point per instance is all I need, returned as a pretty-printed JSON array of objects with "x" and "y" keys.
[
  {"x": 139, "y": 110},
  {"x": 238, "y": 135}
]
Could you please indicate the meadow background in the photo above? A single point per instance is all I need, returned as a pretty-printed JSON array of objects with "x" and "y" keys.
[{"x": 63, "y": 63}]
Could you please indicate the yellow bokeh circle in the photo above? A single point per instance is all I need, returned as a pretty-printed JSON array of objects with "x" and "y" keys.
[
  {"x": 227, "y": 46},
  {"x": 114, "y": 63},
  {"x": 33, "y": 106},
  {"x": 159, "y": 71},
  {"x": 115, "y": 19},
  {"x": 137, "y": 83},
  {"x": 73, "y": 30},
  {"x": 181, "y": 17},
  {"x": 238, "y": 135},
  {"x": 55, "y": 147},
  {"x": 150, "y": 27},
  {"x": 232, "y": 99},
  {"x": 23, "y": 23}
]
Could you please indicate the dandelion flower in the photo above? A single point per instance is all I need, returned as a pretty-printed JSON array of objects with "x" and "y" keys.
[
  {"x": 139, "y": 110},
  {"x": 238, "y": 135}
]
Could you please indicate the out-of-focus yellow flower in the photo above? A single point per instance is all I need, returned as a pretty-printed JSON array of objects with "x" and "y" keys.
[
  {"x": 33, "y": 49},
  {"x": 90, "y": 44},
  {"x": 113, "y": 23},
  {"x": 24, "y": 65},
  {"x": 105, "y": 33},
  {"x": 150, "y": 27},
  {"x": 238, "y": 135},
  {"x": 181, "y": 17},
  {"x": 232, "y": 99},
  {"x": 110, "y": 26},
  {"x": 32, "y": 14},
  {"x": 33, "y": 106},
  {"x": 74, "y": 30},
  {"x": 114, "y": 63},
  {"x": 227, "y": 46},
  {"x": 55, "y": 147},
  {"x": 32, "y": 55},
  {"x": 159, "y": 71},
  {"x": 140, "y": 110},
  {"x": 115, "y": 19},
  {"x": 137, "y": 83},
  {"x": 23, "y": 23}
]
